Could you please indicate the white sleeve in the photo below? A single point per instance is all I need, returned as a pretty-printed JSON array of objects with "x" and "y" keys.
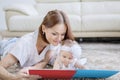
[{"x": 20, "y": 51}]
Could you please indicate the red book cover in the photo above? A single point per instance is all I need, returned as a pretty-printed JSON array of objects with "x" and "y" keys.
[{"x": 62, "y": 74}]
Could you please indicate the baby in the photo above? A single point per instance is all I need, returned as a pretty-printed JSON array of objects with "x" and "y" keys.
[{"x": 69, "y": 56}]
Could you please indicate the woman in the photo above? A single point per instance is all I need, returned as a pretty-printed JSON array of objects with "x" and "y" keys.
[{"x": 30, "y": 49}]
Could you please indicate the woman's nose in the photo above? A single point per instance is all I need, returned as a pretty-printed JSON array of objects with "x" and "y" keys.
[{"x": 59, "y": 38}]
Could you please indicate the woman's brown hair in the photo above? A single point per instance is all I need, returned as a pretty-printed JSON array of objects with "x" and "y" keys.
[{"x": 55, "y": 17}]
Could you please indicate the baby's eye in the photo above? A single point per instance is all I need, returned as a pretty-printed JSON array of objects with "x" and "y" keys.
[
  {"x": 64, "y": 56},
  {"x": 70, "y": 58}
]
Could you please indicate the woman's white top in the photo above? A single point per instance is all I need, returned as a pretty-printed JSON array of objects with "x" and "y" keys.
[
  {"x": 24, "y": 49},
  {"x": 26, "y": 52}
]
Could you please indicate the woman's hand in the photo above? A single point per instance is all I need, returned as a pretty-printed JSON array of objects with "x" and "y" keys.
[
  {"x": 24, "y": 73},
  {"x": 22, "y": 76}
]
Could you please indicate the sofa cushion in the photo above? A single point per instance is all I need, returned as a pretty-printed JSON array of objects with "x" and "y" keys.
[
  {"x": 24, "y": 23},
  {"x": 97, "y": 0},
  {"x": 75, "y": 22},
  {"x": 95, "y": 23},
  {"x": 105, "y": 7},
  {"x": 100, "y": 16},
  {"x": 72, "y": 8},
  {"x": 55, "y": 1}
]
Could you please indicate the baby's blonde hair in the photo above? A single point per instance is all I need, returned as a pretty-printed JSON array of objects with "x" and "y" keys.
[
  {"x": 71, "y": 46},
  {"x": 68, "y": 43}
]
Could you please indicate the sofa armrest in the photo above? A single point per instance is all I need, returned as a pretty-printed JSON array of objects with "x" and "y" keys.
[
  {"x": 24, "y": 9},
  {"x": 19, "y": 9}
]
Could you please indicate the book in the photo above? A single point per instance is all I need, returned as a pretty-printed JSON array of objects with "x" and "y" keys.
[{"x": 69, "y": 74}]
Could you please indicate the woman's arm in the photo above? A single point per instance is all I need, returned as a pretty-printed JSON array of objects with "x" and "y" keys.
[
  {"x": 7, "y": 61},
  {"x": 39, "y": 65},
  {"x": 45, "y": 61}
]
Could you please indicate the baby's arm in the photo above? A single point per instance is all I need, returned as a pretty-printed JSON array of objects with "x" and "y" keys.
[
  {"x": 77, "y": 65},
  {"x": 39, "y": 65}
]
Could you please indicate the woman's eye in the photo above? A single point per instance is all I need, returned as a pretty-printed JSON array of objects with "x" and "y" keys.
[
  {"x": 54, "y": 33},
  {"x": 63, "y": 35}
]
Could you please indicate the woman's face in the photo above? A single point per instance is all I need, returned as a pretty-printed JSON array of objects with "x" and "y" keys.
[{"x": 55, "y": 34}]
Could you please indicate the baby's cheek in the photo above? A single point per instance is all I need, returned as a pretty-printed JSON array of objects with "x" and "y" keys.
[{"x": 64, "y": 61}]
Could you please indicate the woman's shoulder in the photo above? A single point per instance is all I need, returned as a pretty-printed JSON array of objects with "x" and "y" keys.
[{"x": 29, "y": 36}]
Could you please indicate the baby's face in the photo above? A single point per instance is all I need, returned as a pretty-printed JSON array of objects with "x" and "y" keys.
[{"x": 66, "y": 57}]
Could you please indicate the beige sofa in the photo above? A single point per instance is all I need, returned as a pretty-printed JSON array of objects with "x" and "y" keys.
[{"x": 88, "y": 18}]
